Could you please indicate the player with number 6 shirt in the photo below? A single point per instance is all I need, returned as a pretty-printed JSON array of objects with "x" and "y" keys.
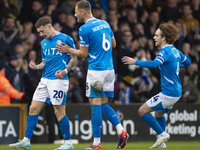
[{"x": 96, "y": 42}]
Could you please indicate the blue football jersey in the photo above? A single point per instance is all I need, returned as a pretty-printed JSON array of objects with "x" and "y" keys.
[
  {"x": 170, "y": 59},
  {"x": 55, "y": 60},
  {"x": 97, "y": 34}
]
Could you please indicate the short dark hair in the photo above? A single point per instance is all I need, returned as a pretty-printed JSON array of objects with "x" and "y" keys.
[
  {"x": 43, "y": 21},
  {"x": 83, "y": 4},
  {"x": 169, "y": 31}
]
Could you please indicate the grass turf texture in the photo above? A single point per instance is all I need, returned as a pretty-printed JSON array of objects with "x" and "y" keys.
[{"x": 171, "y": 145}]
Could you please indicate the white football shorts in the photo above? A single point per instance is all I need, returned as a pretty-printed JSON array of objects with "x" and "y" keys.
[
  {"x": 161, "y": 102},
  {"x": 54, "y": 90},
  {"x": 100, "y": 83}
]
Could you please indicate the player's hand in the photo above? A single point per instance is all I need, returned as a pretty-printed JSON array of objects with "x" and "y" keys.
[
  {"x": 128, "y": 60},
  {"x": 63, "y": 48},
  {"x": 32, "y": 65},
  {"x": 60, "y": 74}
]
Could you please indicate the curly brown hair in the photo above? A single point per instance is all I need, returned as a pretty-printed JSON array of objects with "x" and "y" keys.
[{"x": 169, "y": 31}]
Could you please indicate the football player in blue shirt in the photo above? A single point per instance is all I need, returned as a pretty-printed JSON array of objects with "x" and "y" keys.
[
  {"x": 169, "y": 60},
  {"x": 96, "y": 42},
  {"x": 54, "y": 83}
]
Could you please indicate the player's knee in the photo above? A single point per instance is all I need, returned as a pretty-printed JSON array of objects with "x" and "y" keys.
[
  {"x": 33, "y": 110},
  {"x": 59, "y": 114},
  {"x": 141, "y": 112}
]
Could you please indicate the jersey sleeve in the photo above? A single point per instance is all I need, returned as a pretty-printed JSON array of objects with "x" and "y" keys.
[
  {"x": 70, "y": 42},
  {"x": 162, "y": 56},
  {"x": 148, "y": 64},
  {"x": 83, "y": 37},
  {"x": 185, "y": 61},
  {"x": 42, "y": 51}
]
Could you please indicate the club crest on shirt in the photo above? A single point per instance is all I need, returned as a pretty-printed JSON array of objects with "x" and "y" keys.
[{"x": 59, "y": 42}]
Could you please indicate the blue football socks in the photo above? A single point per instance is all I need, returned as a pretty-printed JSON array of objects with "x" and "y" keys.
[
  {"x": 110, "y": 114},
  {"x": 162, "y": 122},
  {"x": 31, "y": 125},
  {"x": 96, "y": 120},
  {"x": 64, "y": 128},
  {"x": 151, "y": 121}
]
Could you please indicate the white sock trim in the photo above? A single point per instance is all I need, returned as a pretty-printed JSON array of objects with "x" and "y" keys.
[
  {"x": 26, "y": 139},
  {"x": 96, "y": 141},
  {"x": 119, "y": 128},
  {"x": 67, "y": 141}
]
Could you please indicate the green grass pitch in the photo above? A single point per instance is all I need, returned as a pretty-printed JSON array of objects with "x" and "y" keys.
[{"x": 171, "y": 145}]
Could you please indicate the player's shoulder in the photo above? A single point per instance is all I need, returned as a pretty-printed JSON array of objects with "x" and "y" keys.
[
  {"x": 92, "y": 23},
  {"x": 65, "y": 36},
  {"x": 168, "y": 49},
  {"x": 43, "y": 41}
]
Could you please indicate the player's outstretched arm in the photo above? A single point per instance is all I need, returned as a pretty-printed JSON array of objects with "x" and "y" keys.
[
  {"x": 82, "y": 52},
  {"x": 33, "y": 65},
  {"x": 63, "y": 48},
  {"x": 148, "y": 64},
  {"x": 128, "y": 60}
]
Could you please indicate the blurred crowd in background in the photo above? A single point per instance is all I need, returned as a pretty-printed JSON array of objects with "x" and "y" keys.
[{"x": 133, "y": 22}]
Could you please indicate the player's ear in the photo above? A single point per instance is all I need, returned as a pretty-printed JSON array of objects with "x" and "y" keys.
[
  {"x": 163, "y": 38},
  {"x": 49, "y": 26}
]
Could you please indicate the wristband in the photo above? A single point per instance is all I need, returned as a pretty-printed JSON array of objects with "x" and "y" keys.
[
  {"x": 37, "y": 67},
  {"x": 66, "y": 71}
]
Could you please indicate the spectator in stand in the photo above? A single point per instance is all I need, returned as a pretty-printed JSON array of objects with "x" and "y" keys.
[
  {"x": 8, "y": 9},
  {"x": 27, "y": 32},
  {"x": 10, "y": 35},
  {"x": 187, "y": 19},
  {"x": 19, "y": 51},
  {"x": 36, "y": 74},
  {"x": 153, "y": 23},
  {"x": 53, "y": 10},
  {"x": 123, "y": 26},
  {"x": 194, "y": 74},
  {"x": 132, "y": 17},
  {"x": 18, "y": 74},
  {"x": 186, "y": 49},
  {"x": 149, "y": 5},
  {"x": 70, "y": 23},
  {"x": 183, "y": 35},
  {"x": 196, "y": 49},
  {"x": 98, "y": 12},
  {"x": 38, "y": 10},
  {"x": 75, "y": 93},
  {"x": 127, "y": 92},
  {"x": 67, "y": 6},
  {"x": 124, "y": 49},
  {"x": 170, "y": 12},
  {"x": 138, "y": 30},
  {"x": 7, "y": 91},
  {"x": 195, "y": 9},
  {"x": 113, "y": 20},
  {"x": 112, "y": 5},
  {"x": 132, "y": 3},
  {"x": 190, "y": 94}
]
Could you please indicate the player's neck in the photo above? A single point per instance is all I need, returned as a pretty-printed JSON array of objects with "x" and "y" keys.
[
  {"x": 164, "y": 44},
  {"x": 54, "y": 32},
  {"x": 88, "y": 17}
]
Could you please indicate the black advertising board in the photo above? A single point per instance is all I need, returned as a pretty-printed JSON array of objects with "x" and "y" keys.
[{"x": 183, "y": 123}]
